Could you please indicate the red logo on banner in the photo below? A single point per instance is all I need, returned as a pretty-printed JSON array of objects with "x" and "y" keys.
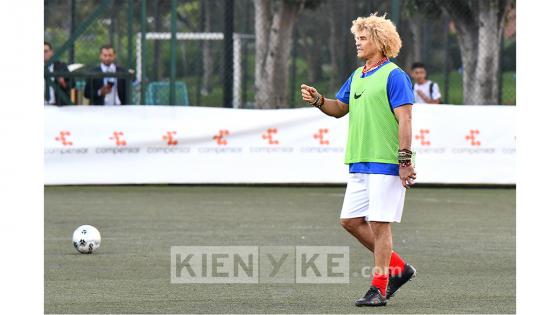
[
  {"x": 117, "y": 136},
  {"x": 472, "y": 137},
  {"x": 220, "y": 137},
  {"x": 62, "y": 138},
  {"x": 168, "y": 137},
  {"x": 321, "y": 136},
  {"x": 269, "y": 134},
  {"x": 423, "y": 137}
]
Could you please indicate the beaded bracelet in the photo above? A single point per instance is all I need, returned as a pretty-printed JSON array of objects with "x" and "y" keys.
[
  {"x": 322, "y": 102},
  {"x": 405, "y": 157},
  {"x": 317, "y": 98}
]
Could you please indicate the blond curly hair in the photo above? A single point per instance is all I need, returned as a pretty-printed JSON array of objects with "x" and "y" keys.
[{"x": 382, "y": 31}]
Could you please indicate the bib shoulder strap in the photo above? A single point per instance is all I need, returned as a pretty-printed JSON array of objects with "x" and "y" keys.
[
  {"x": 357, "y": 72},
  {"x": 431, "y": 89}
]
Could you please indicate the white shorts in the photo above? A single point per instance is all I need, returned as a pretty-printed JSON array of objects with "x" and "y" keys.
[{"x": 376, "y": 197}]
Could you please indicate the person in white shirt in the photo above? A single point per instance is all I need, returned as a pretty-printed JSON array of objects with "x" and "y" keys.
[{"x": 425, "y": 91}]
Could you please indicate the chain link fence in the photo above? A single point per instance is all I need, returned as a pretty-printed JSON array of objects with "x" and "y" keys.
[{"x": 310, "y": 42}]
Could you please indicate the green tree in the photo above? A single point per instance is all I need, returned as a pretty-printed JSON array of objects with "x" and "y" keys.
[
  {"x": 480, "y": 25},
  {"x": 274, "y": 23}
]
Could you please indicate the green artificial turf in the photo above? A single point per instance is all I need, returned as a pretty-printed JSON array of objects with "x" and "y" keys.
[{"x": 461, "y": 241}]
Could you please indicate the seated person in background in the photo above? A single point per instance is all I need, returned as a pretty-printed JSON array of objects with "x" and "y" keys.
[
  {"x": 52, "y": 98},
  {"x": 425, "y": 91},
  {"x": 106, "y": 91}
]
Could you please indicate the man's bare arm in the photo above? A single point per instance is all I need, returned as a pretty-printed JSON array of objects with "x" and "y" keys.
[
  {"x": 407, "y": 173},
  {"x": 404, "y": 116},
  {"x": 334, "y": 108}
]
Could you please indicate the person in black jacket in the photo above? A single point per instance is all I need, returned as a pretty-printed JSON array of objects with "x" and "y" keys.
[
  {"x": 51, "y": 97},
  {"x": 106, "y": 91}
]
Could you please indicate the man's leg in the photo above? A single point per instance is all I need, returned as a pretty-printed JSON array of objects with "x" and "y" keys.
[
  {"x": 383, "y": 240},
  {"x": 386, "y": 205},
  {"x": 355, "y": 207},
  {"x": 364, "y": 233},
  {"x": 384, "y": 247},
  {"x": 361, "y": 230}
]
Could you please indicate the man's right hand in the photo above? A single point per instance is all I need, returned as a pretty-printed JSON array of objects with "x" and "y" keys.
[
  {"x": 334, "y": 108},
  {"x": 308, "y": 93}
]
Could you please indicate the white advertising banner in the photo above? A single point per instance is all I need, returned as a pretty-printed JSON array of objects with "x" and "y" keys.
[{"x": 172, "y": 144}]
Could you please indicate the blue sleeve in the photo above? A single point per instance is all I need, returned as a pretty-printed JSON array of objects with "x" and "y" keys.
[
  {"x": 399, "y": 89},
  {"x": 343, "y": 94}
]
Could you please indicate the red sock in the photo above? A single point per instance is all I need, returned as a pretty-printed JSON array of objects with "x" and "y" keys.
[
  {"x": 396, "y": 265},
  {"x": 380, "y": 282}
]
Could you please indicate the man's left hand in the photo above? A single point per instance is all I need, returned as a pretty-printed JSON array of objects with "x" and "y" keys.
[{"x": 407, "y": 175}]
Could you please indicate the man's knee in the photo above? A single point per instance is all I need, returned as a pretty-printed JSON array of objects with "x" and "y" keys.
[{"x": 351, "y": 224}]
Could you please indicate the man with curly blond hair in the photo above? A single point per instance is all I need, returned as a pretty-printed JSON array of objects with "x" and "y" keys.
[{"x": 379, "y": 98}]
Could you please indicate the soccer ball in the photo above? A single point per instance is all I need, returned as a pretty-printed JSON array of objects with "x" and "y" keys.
[{"x": 86, "y": 239}]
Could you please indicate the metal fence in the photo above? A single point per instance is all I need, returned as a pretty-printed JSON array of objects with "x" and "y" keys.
[{"x": 203, "y": 52}]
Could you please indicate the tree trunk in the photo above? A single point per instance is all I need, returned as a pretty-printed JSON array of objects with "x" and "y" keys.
[
  {"x": 262, "y": 27},
  {"x": 415, "y": 24},
  {"x": 490, "y": 32},
  {"x": 479, "y": 27},
  {"x": 468, "y": 44},
  {"x": 207, "y": 60},
  {"x": 273, "y": 43}
]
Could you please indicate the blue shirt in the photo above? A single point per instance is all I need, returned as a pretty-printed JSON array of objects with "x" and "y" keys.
[{"x": 399, "y": 93}]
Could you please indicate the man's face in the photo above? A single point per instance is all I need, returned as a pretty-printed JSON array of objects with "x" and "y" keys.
[
  {"x": 47, "y": 53},
  {"x": 107, "y": 56},
  {"x": 364, "y": 45},
  {"x": 419, "y": 75}
]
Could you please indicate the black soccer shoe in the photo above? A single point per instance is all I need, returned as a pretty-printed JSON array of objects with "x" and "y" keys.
[
  {"x": 396, "y": 282},
  {"x": 373, "y": 297}
]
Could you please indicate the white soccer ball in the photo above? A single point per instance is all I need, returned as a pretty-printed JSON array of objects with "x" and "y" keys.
[{"x": 86, "y": 239}]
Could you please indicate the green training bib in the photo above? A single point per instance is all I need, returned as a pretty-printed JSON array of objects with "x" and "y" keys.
[{"x": 373, "y": 129}]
